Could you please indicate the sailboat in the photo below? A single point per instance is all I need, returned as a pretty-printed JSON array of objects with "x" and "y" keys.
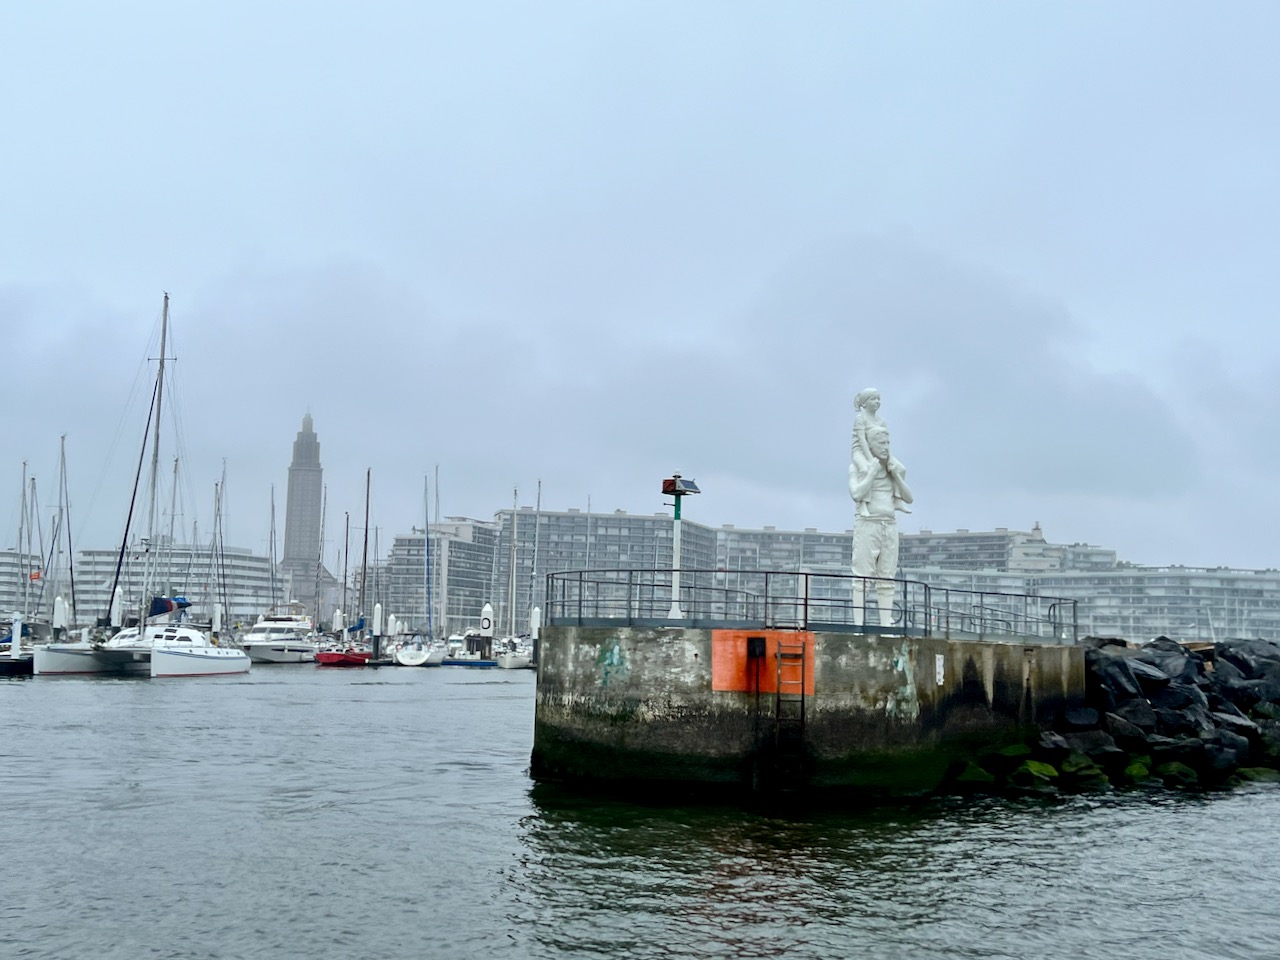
[
  {"x": 355, "y": 653},
  {"x": 420, "y": 651},
  {"x": 164, "y": 648},
  {"x": 15, "y": 654}
]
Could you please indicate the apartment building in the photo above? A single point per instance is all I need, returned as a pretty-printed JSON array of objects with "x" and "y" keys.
[{"x": 242, "y": 584}]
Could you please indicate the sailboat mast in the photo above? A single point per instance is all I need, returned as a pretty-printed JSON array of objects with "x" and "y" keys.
[
  {"x": 511, "y": 588},
  {"x": 168, "y": 547},
  {"x": 64, "y": 507},
  {"x": 364, "y": 554},
  {"x": 533, "y": 568},
  {"x": 346, "y": 554},
  {"x": 273, "y": 547},
  {"x": 155, "y": 461},
  {"x": 22, "y": 547},
  {"x": 324, "y": 509},
  {"x": 426, "y": 554}
]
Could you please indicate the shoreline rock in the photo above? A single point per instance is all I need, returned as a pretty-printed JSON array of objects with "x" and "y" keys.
[{"x": 1188, "y": 716}]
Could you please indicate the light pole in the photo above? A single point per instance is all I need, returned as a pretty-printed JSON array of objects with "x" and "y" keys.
[{"x": 676, "y": 486}]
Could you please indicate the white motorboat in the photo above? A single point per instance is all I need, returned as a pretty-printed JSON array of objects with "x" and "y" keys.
[
  {"x": 514, "y": 655},
  {"x": 514, "y": 661},
  {"x": 282, "y": 638},
  {"x": 161, "y": 650}
]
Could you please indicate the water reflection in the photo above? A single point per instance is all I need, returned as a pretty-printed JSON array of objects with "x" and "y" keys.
[{"x": 953, "y": 878}]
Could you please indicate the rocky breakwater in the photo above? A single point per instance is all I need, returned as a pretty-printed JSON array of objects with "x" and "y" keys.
[{"x": 1184, "y": 716}]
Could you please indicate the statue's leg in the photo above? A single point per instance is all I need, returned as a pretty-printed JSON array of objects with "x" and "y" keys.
[
  {"x": 864, "y": 563},
  {"x": 887, "y": 567},
  {"x": 884, "y": 601}
]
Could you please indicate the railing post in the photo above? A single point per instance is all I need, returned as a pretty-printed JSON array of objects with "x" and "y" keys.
[
  {"x": 767, "y": 605},
  {"x": 804, "y": 619},
  {"x": 928, "y": 611}
]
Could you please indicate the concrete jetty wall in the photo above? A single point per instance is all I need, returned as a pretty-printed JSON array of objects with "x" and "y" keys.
[{"x": 885, "y": 715}]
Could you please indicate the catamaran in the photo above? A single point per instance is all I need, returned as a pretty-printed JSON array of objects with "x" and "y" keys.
[{"x": 164, "y": 648}]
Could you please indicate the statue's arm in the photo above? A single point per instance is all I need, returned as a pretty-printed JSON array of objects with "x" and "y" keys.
[
  {"x": 860, "y": 480},
  {"x": 898, "y": 476}
]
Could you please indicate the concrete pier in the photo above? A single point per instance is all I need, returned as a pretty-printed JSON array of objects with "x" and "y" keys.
[{"x": 741, "y": 709}]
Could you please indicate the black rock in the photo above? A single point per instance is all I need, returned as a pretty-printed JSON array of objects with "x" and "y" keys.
[
  {"x": 1238, "y": 725},
  {"x": 1220, "y": 704},
  {"x": 1218, "y": 763},
  {"x": 1113, "y": 673},
  {"x": 1052, "y": 748},
  {"x": 1097, "y": 745},
  {"x": 1230, "y": 740},
  {"x": 1245, "y": 693},
  {"x": 1188, "y": 750},
  {"x": 1193, "y": 721},
  {"x": 1099, "y": 642},
  {"x": 1139, "y": 713},
  {"x": 1080, "y": 718},
  {"x": 1173, "y": 659},
  {"x": 1269, "y": 740},
  {"x": 1149, "y": 677},
  {"x": 1179, "y": 696},
  {"x": 1256, "y": 659},
  {"x": 1128, "y": 736},
  {"x": 1224, "y": 671}
]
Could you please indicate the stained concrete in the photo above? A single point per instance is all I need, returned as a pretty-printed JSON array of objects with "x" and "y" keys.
[{"x": 887, "y": 715}]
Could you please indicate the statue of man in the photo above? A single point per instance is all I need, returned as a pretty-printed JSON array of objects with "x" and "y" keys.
[{"x": 879, "y": 488}]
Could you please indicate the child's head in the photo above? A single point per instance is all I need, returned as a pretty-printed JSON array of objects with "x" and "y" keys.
[{"x": 866, "y": 396}]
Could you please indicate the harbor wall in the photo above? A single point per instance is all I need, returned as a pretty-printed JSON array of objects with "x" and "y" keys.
[{"x": 884, "y": 715}]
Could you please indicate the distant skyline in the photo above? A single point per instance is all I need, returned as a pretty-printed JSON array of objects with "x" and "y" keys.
[{"x": 595, "y": 244}]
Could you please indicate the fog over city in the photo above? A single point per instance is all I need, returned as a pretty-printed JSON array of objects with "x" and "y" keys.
[{"x": 592, "y": 244}]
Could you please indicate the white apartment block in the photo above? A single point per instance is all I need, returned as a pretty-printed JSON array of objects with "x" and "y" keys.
[{"x": 474, "y": 562}]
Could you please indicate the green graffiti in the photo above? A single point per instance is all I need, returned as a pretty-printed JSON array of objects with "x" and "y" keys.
[
  {"x": 612, "y": 663},
  {"x": 904, "y": 702}
]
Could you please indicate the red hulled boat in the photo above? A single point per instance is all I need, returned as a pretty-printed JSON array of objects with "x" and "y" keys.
[{"x": 342, "y": 658}]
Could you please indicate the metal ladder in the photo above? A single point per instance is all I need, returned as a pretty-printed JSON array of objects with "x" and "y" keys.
[{"x": 789, "y": 713}]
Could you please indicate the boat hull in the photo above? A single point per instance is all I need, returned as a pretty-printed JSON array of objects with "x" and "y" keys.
[
  {"x": 213, "y": 662},
  {"x": 73, "y": 659},
  {"x": 468, "y": 662},
  {"x": 281, "y": 652},
  {"x": 342, "y": 658},
  {"x": 412, "y": 656}
]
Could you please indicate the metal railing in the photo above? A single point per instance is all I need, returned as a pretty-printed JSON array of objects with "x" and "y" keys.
[{"x": 762, "y": 599}]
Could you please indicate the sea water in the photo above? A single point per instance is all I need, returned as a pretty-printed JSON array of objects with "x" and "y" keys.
[{"x": 309, "y": 812}]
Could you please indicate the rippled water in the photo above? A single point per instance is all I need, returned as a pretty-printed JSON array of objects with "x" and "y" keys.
[{"x": 304, "y": 812}]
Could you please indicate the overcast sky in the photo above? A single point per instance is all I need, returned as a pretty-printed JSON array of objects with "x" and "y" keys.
[{"x": 594, "y": 243}]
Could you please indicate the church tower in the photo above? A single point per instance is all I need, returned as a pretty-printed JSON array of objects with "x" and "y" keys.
[{"x": 303, "y": 509}]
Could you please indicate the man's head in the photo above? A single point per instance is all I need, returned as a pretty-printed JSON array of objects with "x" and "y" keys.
[{"x": 878, "y": 441}]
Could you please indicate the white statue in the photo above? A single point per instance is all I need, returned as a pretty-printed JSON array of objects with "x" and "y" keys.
[
  {"x": 878, "y": 485},
  {"x": 867, "y": 403}
]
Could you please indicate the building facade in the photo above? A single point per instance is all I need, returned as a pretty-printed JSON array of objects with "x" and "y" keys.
[{"x": 231, "y": 579}]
